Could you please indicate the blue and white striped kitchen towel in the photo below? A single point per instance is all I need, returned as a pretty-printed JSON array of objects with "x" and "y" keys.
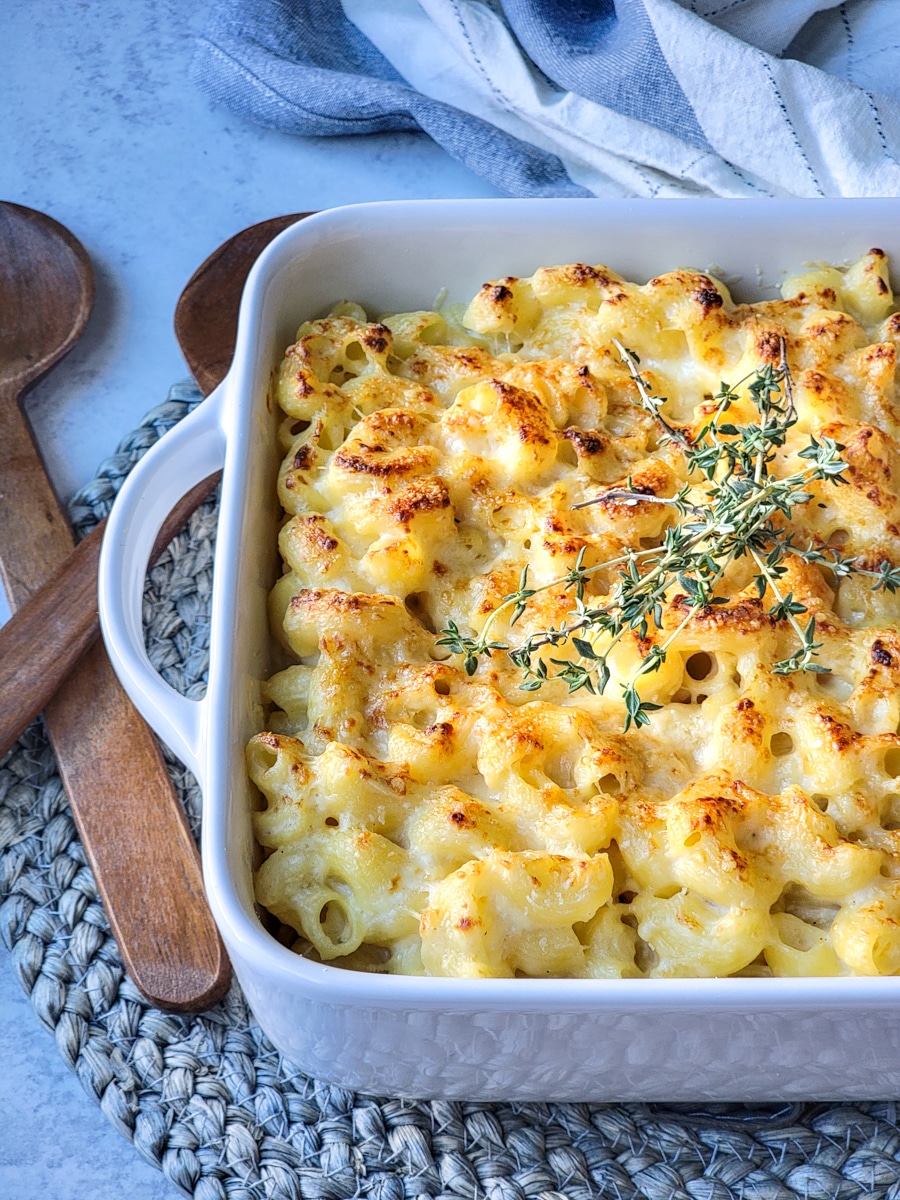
[{"x": 586, "y": 97}]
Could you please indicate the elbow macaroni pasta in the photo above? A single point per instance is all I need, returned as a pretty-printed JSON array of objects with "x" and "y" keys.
[{"x": 419, "y": 820}]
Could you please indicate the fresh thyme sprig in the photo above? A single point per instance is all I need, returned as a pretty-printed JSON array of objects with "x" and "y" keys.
[{"x": 743, "y": 513}]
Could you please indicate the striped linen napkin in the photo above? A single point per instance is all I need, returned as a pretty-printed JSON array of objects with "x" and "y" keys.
[{"x": 585, "y": 97}]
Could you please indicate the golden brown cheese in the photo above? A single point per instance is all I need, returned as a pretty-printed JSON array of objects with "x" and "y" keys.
[{"x": 420, "y": 819}]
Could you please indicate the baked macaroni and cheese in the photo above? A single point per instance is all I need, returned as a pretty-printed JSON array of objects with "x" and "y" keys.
[{"x": 590, "y": 605}]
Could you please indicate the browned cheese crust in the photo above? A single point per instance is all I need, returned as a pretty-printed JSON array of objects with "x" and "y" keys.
[{"x": 419, "y": 819}]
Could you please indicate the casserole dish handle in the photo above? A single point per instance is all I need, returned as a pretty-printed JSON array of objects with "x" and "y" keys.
[{"x": 185, "y": 456}]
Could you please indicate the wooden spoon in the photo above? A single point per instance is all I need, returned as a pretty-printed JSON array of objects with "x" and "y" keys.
[
  {"x": 50, "y": 631},
  {"x": 131, "y": 823}
]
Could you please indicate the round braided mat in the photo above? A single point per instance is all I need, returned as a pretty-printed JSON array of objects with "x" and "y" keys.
[{"x": 210, "y": 1102}]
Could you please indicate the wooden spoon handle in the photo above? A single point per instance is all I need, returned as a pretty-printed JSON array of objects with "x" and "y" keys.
[
  {"x": 131, "y": 822},
  {"x": 137, "y": 839},
  {"x": 34, "y": 533}
]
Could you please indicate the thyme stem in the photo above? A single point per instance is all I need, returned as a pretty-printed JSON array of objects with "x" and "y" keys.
[{"x": 746, "y": 511}]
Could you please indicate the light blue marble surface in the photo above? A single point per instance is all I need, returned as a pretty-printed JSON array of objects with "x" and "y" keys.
[{"x": 101, "y": 128}]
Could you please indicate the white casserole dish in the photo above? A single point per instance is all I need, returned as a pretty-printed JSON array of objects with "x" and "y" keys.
[{"x": 518, "y": 1039}]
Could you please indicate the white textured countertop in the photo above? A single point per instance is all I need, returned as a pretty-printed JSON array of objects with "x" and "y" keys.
[{"x": 101, "y": 128}]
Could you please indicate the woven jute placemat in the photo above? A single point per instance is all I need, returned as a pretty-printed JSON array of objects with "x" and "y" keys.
[{"x": 208, "y": 1099}]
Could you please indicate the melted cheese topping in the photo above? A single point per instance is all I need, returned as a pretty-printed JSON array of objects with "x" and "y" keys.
[{"x": 419, "y": 820}]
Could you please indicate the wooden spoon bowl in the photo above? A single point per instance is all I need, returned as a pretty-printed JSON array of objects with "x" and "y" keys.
[
  {"x": 46, "y": 294},
  {"x": 206, "y": 315}
]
